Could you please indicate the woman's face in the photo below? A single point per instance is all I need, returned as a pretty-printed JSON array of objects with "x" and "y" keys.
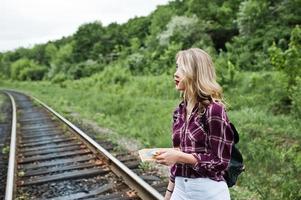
[{"x": 178, "y": 78}]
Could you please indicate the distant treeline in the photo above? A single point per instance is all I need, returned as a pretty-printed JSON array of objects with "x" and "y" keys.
[{"x": 249, "y": 35}]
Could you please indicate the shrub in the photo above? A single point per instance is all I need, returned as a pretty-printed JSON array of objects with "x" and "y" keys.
[
  {"x": 296, "y": 97},
  {"x": 113, "y": 74},
  {"x": 136, "y": 63},
  {"x": 33, "y": 73},
  {"x": 84, "y": 69},
  {"x": 59, "y": 78},
  {"x": 226, "y": 71},
  {"x": 25, "y": 69}
]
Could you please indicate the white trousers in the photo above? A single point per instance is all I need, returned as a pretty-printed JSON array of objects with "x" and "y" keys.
[{"x": 199, "y": 189}]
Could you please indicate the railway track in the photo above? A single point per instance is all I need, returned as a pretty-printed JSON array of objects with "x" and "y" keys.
[
  {"x": 50, "y": 158},
  {"x": 5, "y": 126}
]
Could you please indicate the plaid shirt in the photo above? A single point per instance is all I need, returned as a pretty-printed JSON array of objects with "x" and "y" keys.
[{"x": 212, "y": 150}]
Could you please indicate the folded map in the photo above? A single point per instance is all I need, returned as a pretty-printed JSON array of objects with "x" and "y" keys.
[{"x": 150, "y": 154}]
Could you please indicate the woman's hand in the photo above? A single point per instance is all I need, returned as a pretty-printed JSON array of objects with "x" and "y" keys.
[
  {"x": 168, "y": 157},
  {"x": 172, "y": 156}
]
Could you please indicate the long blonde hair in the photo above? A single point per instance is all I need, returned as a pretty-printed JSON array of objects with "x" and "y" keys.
[{"x": 199, "y": 77}]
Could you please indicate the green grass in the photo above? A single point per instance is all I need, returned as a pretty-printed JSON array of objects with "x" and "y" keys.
[
  {"x": 141, "y": 108},
  {"x": 2, "y": 100}
]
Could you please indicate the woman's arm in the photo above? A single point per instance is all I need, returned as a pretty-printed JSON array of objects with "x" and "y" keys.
[
  {"x": 170, "y": 157},
  {"x": 169, "y": 190},
  {"x": 221, "y": 139}
]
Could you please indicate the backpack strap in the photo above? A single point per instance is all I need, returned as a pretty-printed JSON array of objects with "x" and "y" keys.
[
  {"x": 206, "y": 128},
  {"x": 236, "y": 136}
]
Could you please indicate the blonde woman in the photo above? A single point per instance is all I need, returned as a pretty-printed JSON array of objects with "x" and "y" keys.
[{"x": 202, "y": 136}]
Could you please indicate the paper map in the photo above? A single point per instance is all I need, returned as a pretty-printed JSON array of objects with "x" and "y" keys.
[{"x": 149, "y": 154}]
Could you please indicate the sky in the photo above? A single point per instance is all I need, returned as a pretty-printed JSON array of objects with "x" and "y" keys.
[{"x": 28, "y": 22}]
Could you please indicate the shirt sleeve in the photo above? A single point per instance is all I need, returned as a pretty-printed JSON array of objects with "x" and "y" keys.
[{"x": 220, "y": 135}]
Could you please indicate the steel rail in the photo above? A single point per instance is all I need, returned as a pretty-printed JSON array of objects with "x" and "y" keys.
[
  {"x": 9, "y": 192},
  {"x": 143, "y": 189}
]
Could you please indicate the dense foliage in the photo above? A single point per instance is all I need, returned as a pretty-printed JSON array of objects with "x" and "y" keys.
[{"x": 114, "y": 73}]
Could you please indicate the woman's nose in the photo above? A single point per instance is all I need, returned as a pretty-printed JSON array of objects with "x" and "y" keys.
[{"x": 175, "y": 75}]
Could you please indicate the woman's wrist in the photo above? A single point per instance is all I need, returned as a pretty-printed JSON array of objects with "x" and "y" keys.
[
  {"x": 168, "y": 190},
  {"x": 186, "y": 158},
  {"x": 170, "y": 187}
]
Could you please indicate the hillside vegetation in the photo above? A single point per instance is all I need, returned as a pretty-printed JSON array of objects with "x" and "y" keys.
[{"x": 121, "y": 76}]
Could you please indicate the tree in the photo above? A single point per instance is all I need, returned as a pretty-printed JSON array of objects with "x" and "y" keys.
[
  {"x": 61, "y": 60},
  {"x": 137, "y": 27},
  {"x": 50, "y": 52},
  {"x": 288, "y": 61},
  {"x": 159, "y": 18},
  {"x": 85, "y": 38},
  {"x": 179, "y": 29},
  {"x": 37, "y": 53},
  {"x": 250, "y": 15}
]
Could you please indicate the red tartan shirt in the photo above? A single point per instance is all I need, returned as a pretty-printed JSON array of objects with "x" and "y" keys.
[{"x": 212, "y": 149}]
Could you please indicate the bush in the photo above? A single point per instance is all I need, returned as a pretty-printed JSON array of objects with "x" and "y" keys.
[
  {"x": 289, "y": 63},
  {"x": 2, "y": 76},
  {"x": 84, "y": 69},
  {"x": 59, "y": 78},
  {"x": 257, "y": 93},
  {"x": 25, "y": 69},
  {"x": 226, "y": 71},
  {"x": 136, "y": 63},
  {"x": 296, "y": 98},
  {"x": 152, "y": 86},
  {"x": 34, "y": 73},
  {"x": 112, "y": 75}
]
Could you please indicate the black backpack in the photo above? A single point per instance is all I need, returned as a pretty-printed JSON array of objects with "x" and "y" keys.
[{"x": 236, "y": 166}]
